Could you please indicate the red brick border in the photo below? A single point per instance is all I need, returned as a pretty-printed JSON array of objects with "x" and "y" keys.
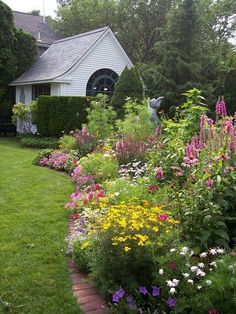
[{"x": 87, "y": 296}]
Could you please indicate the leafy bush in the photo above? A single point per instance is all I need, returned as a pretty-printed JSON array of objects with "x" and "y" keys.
[
  {"x": 22, "y": 114},
  {"x": 128, "y": 85},
  {"x": 60, "y": 113},
  {"x": 85, "y": 142},
  {"x": 136, "y": 122},
  {"x": 129, "y": 150},
  {"x": 46, "y": 153},
  {"x": 100, "y": 117},
  {"x": 67, "y": 143},
  {"x": 39, "y": 142},
  {"x": 102, "y": 167}
]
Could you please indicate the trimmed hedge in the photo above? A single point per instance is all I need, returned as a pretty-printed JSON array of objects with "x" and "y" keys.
[{"x": 60, "y": 113}]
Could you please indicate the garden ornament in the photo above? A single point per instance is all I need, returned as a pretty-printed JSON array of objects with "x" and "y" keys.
[{"x": 154, "y": 107}]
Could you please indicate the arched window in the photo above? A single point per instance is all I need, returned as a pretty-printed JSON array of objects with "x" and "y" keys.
[{"x": 101, "y": 81}]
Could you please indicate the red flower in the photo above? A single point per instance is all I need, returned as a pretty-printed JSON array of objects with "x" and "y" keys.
[
  {"x": 163, "y": 217},
  {"x": 152, "y": 188},
  {"x": 172, "y": 265},
  {"x": 97, "y": 186},
  {"x": 100, "y": 194},
  {"x": 75, "y": 216},
  {"x": 85, "y": 201},
  {"x": 213, "y": 311},
  {"x": 150, "y": 138}
]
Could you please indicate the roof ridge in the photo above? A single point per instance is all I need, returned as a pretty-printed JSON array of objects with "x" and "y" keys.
[
  {"x": 82, "y": 34},
  {"x": 27, "y": 13}
]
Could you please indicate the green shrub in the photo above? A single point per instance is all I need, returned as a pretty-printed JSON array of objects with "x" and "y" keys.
[
  {"x": 102, "y": 167},
  {"x": 136, "y": 123},
  {"x": 80, "y": 256},
  {"x": 128, "y": 85},
  {"x": 67, "y": 142},
  {"x": 100, "y": 117},
  {"x": 59, "y": 113},
  {"x": 39, "y": 142}
]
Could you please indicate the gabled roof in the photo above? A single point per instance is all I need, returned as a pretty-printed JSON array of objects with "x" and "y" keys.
[
  {"x": 60, "y": 57},
  {"x": 35, "y": 25}
]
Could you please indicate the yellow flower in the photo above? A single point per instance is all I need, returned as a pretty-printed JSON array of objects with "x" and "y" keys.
[
  {"x": 84, "y": 245},
  {"x": 126, "y": 248}
]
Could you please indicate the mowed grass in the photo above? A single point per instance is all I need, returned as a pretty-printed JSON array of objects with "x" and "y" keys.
[{"x": 33, "y": 226}]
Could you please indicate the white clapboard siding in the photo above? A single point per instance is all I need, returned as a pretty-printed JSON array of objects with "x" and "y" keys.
[
  {"x": 104, "y": 55},
  {"x": 55, "y": 89}
]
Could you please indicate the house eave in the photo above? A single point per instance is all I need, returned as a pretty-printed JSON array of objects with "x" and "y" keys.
[{"x": 63, "y": 81}]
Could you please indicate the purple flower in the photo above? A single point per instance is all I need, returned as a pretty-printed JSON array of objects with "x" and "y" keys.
[
  {"x": 129, "y": 299},
  {"x": 155, "y": 291},
  {"x": 118, "y": 295},
  {"x": 229, "y": 126},
  {"x": 171, "y": 302},
  {"x": 143, "y": 290}
]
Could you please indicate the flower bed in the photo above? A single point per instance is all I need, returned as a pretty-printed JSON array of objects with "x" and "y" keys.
[{"x": 155, "y": 233}]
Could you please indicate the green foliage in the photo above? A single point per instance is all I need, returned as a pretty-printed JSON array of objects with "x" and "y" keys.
[
  {"x": 43, "y": 153},
  {"x": 128, "y": 85},
  {"x": 76, "y": 16},
  {"x": 67, "y": 143},
  {"x": 100, "y": 117},
  {"x": 102, "y": 167},
  {"x": 60, "y": 113},
  {"x": 17, "y": 52},
  {"x": 22, "y": 117},
  {"x": 136, "y": 123},
  {"x": 38, "y": 142},
  {"x": 80, "y": 256}
]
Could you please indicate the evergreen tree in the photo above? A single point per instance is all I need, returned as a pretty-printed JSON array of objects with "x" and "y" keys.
[
  {"x": 128, "y": 85},
  {"x": 18, "y": 50}
]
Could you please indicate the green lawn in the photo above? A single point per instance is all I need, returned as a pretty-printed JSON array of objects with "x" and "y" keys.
[{"x": 33, "y": 225}]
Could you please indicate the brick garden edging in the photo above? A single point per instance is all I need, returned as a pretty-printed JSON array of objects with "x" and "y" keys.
[{"x": 87, "y": 296}]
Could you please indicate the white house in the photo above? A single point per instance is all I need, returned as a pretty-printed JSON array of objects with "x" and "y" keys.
[{"x": 82, "y": 65}]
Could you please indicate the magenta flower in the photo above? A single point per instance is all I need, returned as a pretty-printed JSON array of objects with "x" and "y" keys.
[
  {"x": 163, "y": 217},
  {"x": 159, "y": 172},
  {"x": 229, "y": 126},
  {"x": 209, "y": 183},
  {"x": 203, "y": 120}
]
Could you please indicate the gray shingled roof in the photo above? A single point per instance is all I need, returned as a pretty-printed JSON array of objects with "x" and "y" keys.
[
  {"x": 34, "y": 25},
  {"x": 60, "y": 57}
]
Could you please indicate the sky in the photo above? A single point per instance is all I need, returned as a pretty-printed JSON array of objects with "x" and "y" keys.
[{"x": 29, "y": 5}]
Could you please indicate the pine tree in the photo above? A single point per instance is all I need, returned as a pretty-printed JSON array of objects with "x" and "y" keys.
[{"x": 128, "y": 85}]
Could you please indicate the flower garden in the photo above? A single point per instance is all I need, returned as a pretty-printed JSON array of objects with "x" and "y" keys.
[{"x": 154, "y": 206}]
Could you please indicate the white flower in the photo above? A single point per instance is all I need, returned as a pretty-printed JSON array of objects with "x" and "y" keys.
[
  {"x": 208, "y": 282},
  {"x": 161, "y": 271},
  {"x": 186, "y": 275},
  {"x": 210, "y": 269},
  {"x": 213, "y": 251},
  {"x": 203, "y": 254},
  {"x": 184, "y": 249},
  {"x": 199, "y": 287},
  {"x": 172, "y": 250},
  {"x": 194, "y": 268},
  {"x": 200, "y": 273},
  {"x": 231, "y": 267},
  {"x": 172, "y": 291},
  {"x": 220, "y": 251},
  {"x": 201, "y": 265},
  {"x": 170, "y": 283},
  {"x": 213, "y": 264},
  {"x": 175, "y": 281},
  {"x": 190, "y": 281},
  {"x": 191, "y": 253}
]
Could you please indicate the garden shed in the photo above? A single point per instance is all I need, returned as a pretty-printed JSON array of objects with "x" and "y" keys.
[{"x": 82, "y": 65}]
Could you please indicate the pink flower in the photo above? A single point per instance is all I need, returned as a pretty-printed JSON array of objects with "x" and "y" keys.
[
  {"x": 172, "y": 265},
  {"x": 213, "y": 311},
  {"x": 101, "y": 194},
  {"x": 159, "y": 173},
  {"x": 178, "y": 174},
  {"x": 90, "y": 195},
  {"x": 209, "y": 183},
  {"x": 163, "y": 217}
]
